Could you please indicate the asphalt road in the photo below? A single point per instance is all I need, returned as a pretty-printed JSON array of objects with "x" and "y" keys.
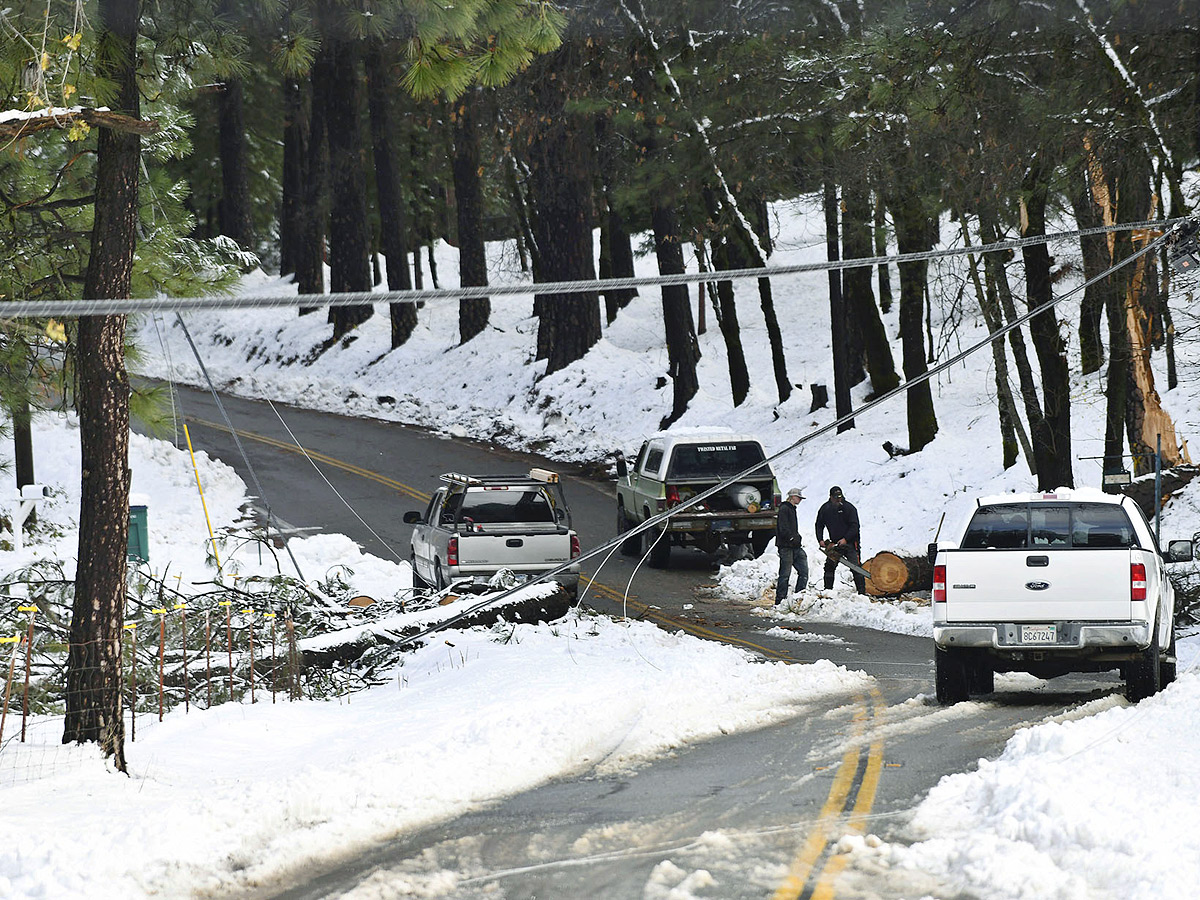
[{"x": 748, "y": 815}]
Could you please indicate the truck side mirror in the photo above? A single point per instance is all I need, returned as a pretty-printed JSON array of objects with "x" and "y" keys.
[
  {"x": 622, "y": 467},
  {"x": 931, "y": 552},
  {"x": 1180, "y": 551},
  {"x": 412, "y": 517}
]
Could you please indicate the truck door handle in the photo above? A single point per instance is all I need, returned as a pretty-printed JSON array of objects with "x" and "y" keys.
[
  {"x": 514, "y": 542},
  {"x": 1037, "y": 561}
]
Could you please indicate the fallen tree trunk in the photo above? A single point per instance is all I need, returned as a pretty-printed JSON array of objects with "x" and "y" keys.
[{"x": 892, "y": 574}]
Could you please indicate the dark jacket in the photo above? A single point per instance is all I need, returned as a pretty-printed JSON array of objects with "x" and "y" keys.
[
  {"x": 787, "y": 529},
  {"x": 840, "y": 523}
]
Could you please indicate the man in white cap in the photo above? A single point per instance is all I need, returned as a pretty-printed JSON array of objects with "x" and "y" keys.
[{"x": 790, "y": 547}]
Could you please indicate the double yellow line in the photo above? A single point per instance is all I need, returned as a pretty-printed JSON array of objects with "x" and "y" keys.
[
  {"x": 816, "y": 867},
  {"x": 317, "y": 456}
]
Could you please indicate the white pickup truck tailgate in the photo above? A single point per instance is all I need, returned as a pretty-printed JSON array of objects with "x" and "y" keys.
[
  {"x": 523, "y": 552},
  {"x": 1037, "y": 585}
]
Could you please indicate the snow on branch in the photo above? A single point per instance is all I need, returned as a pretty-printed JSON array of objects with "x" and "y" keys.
[{"x": 17, "y": 123}]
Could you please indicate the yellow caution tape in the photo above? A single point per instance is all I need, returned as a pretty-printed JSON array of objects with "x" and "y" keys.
[
  {"x": 225, "y": 603},
  {"x": 180, "y": 605},
  {"x": 11, "y": 640},
  {"x": 268, "y": 615},
  {"x": 250, "y": 611},
  {"x": 27, "y": 609},
  {"x": 160, "y": 611},
  {"x": 131, "y": 625}
]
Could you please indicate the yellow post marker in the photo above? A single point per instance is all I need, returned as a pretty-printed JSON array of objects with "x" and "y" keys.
[
  {"x": 200, "y": 488},
  {"x": 250, "y": 612},
  {"x": 32, "y": 610},
  {"x": 131, "y": 627},
  {"x": 12, "y": 666}
]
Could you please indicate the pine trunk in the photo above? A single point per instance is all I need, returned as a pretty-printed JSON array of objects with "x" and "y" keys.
[
  {"x": 295, "y": 160},
  {"x": 860, "y": 298},
  {"x": 839, "y": 318},
  {"x": 912, "y": 236},
  {"x": 94, "y": 711},
  {"x": 616, "y": 245},
  {"x": 1047, "y": 342},
  {"x": 727, "y": 255},
  {"x": 235, "y": 188},
  {"x": 393, "y": 237},
  {"x": 1096, "y": 258},
  {"x": 683, "y": 350},
  {"x": 310, "y": 266},
  {"x": 349, "y": 231},
  {"x": 473, "y": 313}
]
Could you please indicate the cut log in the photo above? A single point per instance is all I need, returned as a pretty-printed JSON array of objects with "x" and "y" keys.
[{"x": 892, "y": 574}]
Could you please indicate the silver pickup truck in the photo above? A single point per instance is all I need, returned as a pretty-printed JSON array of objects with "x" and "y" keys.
[
  {"x": 1052, "y": 583},
  {"x": 476, "y": 525}
]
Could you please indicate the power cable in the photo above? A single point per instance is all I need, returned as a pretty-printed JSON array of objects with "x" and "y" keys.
[
  {"x": 667, "y": 515},
  {"x": 233, "y": 431},
  {"x": 75, "y": 308}
]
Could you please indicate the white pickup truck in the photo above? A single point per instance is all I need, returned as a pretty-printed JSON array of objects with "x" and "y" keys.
[
  {"x": 476, "y": 525},
  {"x": 1071, "y": 581}
]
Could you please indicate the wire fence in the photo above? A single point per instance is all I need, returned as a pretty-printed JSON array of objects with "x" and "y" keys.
[{"x": 232, "y": 641}]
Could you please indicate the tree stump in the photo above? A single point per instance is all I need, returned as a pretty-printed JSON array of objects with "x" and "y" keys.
[{"x": 892, "y": 574}]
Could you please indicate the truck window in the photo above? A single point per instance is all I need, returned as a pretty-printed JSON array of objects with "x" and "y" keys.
[
  {"x": 715, "y": 460},
  {"x": 496, "y": 506},
  {"x": 653, "y": 461},
  {"x": 1021, "y": 527}
]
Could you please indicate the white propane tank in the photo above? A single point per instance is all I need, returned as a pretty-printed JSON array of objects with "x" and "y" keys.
[{"x": 746, "y": 496}]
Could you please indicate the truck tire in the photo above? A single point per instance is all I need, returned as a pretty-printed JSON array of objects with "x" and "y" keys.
[
  {"x": 629, "y": 546},
  {"x": 1167, "y": 668},
  {"x": 950, "y": 677},
  {"x": 439, "y": 580},
  {"x": 658, "y": 545},
  {"x": 981, "y": 677},
  {"x": 759, "y": 541},
  {"x": 1144, "y": 676}
]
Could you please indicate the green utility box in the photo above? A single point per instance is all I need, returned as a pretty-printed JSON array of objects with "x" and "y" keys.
[{"x": 139, "y": 538}]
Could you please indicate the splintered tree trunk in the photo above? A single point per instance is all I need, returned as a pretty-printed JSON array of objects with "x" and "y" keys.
[
  {"x": 94, "y": 659},
  {"x": 349, "y": 228},
  {"x": 393, "y": 237},
  {"x": 860, "y": 298},
  {"x": 473, "y": 313},
  {"x": 912, "y": 236},
  {"x": 1047, "y": 342}
]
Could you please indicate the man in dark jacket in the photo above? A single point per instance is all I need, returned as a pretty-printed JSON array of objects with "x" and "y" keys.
[
  {"x": 840, "y": 520},
  {"x": 790, "y": 547}
]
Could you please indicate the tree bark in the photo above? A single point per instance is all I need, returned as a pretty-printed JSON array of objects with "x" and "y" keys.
[
  {"x": 616, "y": 245},
  {"x": 912, "y": 236},
  {"x": 860, "y": 298},
  {"x": 839, "y": 318},
  {"x": 765, "y": 298},
  {"x": 1096, "y": 259},
  {"x": 885, "y": 273},
  {"x": 683, "y": 350},
  {"x": 349, "y": 231},
  {"x": 728, "y": 254},
  {"x": 94, "y": 711},
  {"x": 473, "y": 313},
  {"x": 1047, "y": 342},
  {"x": 295, "y": 162},
  {"x": 393, "y": 236},
  {"x": 310, "y": 266},
  {"x": 22, "y": 417}
]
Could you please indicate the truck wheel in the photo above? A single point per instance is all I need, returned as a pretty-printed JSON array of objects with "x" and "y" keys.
[
  {"x": 950, "y": 677},
  {"x": 759, "y": 541},
  {"x": 1167, "y": 668},
  {"x": 981, "y": 677},
  {"x": 439, "y": 580},
  {"x": 629, "y": 546},
  {"x": 1144, "y": 677},
  {"x": 659, "y": 544}
]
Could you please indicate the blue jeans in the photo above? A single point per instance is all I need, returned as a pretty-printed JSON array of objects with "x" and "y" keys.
[{"x": 791, "y": 558}]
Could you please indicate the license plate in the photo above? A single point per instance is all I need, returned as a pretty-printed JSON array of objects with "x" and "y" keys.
[
  {"x": 1038, "y": 634},
  {"x": 722, "y": 525}
]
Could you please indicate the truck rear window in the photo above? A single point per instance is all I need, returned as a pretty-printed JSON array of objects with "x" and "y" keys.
[
  {"x": 716, "y": 460},
  {"x": 1026, "y": 527},
  {"x": 497, "y": 506}
]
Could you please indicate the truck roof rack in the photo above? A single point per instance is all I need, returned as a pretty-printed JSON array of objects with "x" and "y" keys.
[{"x": 535, "y": 476}]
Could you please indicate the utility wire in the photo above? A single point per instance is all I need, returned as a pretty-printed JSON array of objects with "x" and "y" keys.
[
  {"x": 662, "y": 518},
  {"x": 73, "y": 308},
  {"x": 233, "y": 431}
]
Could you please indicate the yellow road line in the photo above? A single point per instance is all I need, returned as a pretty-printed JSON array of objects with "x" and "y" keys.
[{"x": 317, "y": 456}]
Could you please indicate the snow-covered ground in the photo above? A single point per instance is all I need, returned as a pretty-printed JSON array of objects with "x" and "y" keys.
[{"x": 1097, "y": 805}]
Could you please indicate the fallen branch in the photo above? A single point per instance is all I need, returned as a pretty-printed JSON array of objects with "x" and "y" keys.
[{"x": 28, "y": 123}]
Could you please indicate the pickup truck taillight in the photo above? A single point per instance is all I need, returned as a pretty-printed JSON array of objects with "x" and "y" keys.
[
  {"x": 939, "y": 584},
  {"x": 1137, "y": 581},
  {"x": 452, "y": 552},
  {"x": 776, "y": 499},
  {"x": 575, "y": 551},
  {"x": 672, "y": 495}
]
